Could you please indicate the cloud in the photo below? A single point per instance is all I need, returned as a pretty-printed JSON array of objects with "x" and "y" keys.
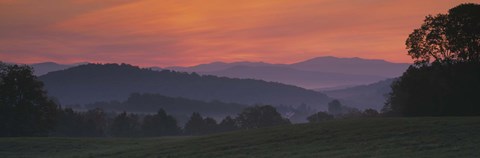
[{"x": 187, "y": 32}]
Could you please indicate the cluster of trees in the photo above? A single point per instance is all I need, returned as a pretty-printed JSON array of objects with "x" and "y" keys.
[
  {"x": 250, "y": 118},
  {"x": 69, "y": 123},
  {"x": 445, "y": 79},
  {"x": 179, "y": 107},
  {"x": 25, "y": 109},
  {"x": 437, "y": 90},
  {"x": 97, "y": 123},
  {"x": 338, "y": 111}
]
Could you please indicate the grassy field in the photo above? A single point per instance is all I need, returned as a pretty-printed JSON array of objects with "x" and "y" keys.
[{"x": 382, "y": 137}]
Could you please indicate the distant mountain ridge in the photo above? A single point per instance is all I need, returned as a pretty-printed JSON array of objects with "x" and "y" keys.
[
  {"x": 315, "y": 73},
  {"x": 354, "y": 65},
  {"x": 322, "y": 64},
  {"x": 320, "y": 72},
  {"x": 104, "y": 82},
  {"x": 295, "y": 77}
]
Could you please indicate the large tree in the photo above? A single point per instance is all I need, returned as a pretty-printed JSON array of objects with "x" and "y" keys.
[
  {"x": 25, "y": 109},
  {"x": 445, "y": 79},
  {"x": 447, "y": 38},
  {"x": 335, "y": 107}
]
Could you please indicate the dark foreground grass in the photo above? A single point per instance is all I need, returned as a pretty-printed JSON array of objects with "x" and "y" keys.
[{"x": 382, "y": 137}]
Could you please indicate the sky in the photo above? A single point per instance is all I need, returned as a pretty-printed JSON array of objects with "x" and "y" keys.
[{"x": 190, "y": 32}]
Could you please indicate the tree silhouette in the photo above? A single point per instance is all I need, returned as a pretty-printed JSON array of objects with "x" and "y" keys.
[
  {"x": 463, "y": 31},
  {"x": 260, "y": 116},
  {"x": 195, "y": 125},
  {"x": 447, "y": 38},
  {"x": 211, "y": 125},
  {"x": 96, "y": 122},
  {"x": 160, "y": 124},
  {"x": 125, "y": 125},
  {"x": 446, "y": 76},
  {"x": 228, "y": 124},
  {"x": 92, "y": 123},
  {"x": 25, "y": 109},
  {"x": 335, "y": 107}
]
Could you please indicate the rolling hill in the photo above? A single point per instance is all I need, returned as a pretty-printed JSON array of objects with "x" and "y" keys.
[
  {"x": 104, "y": 82},
  {"x": 380, "y": 137},
  {"x": 365, "y": 96}
]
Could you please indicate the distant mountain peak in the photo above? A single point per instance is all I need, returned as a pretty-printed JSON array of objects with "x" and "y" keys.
[
  {"x": 353, "y": 65},
  {"x": 337, "y": 59}
]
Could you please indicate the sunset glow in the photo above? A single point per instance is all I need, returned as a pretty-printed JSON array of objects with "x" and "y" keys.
[{"x": 189, "y": 32}]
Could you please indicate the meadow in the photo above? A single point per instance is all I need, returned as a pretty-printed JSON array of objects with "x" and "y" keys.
[{"x": 368, "y": 137}]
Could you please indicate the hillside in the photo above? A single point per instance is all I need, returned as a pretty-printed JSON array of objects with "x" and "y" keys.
[
  {"x": 382, "y": 137},
  {"x": 104, "y": 82},
  {"x": 145, "y": 103},
  {"x": 365, "y": 96}
]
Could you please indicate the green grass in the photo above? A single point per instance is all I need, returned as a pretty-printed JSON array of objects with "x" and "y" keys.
[{"x": 382, "y": 137}]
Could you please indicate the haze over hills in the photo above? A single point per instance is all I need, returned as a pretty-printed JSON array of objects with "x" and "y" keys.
[
  {"x": 104, "y": 82},
  {"x": 287, "y": 75},
  {"x": 364, "y": 96},
  {"x": 320, "y": 72},
  {"x": 148, "y": 103}
]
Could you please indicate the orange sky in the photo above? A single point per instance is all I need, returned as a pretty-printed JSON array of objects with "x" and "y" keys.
[{"x": 189, "y": 32}]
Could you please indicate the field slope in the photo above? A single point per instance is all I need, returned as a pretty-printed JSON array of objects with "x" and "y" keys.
[{"x": 382, "y": 137}]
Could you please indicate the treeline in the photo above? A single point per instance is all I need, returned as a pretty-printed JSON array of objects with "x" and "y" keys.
[
  {"x": 338, "y": 111},
  {"x": 437, "y": 90},
  {"x": 25, "y": 109},
  {"x": 97, "y": 123},
  {"x": 177, "y": 106}
]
